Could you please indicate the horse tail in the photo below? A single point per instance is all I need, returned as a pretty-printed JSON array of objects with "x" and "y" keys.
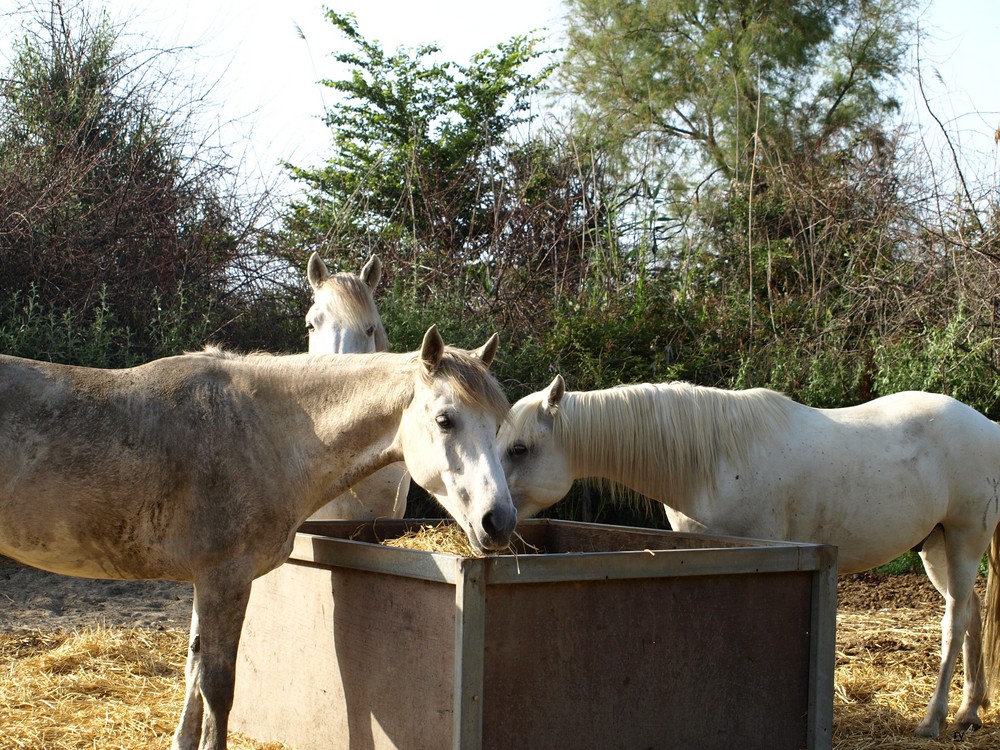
[{"x": 991, "y": 619}]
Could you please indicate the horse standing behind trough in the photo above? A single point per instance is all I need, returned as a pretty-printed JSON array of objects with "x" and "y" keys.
[
  {"x": 875, "y": 480},
  {"x": 201, "y": 467},
  {"x": 343, "y": 319}
]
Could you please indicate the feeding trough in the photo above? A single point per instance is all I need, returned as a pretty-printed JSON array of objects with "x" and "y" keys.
[{"x": 591, "y": 636}]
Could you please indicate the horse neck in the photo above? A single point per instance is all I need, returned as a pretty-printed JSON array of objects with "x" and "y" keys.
[
  {"x": 349, "y": 408},
  {"x": 644, "y": 438}
]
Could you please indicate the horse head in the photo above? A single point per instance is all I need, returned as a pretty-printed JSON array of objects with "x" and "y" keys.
[
  {"x": 343, "y": 318},
  {"x": 448, "y": 438},
  {"x": 534, "y": 459}
]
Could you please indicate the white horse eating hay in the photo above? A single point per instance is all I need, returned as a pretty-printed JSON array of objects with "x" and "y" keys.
[
  {"x": 201, "y": 467},
  {"x": 906, "y": 470},
  {"x": 343, "y": 319}
]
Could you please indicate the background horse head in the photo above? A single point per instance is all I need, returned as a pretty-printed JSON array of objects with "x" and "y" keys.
[
  {"x": 875, "y": 480},
  {"x": 343, "y": 319},
  {"x": 201, "y": 468}
]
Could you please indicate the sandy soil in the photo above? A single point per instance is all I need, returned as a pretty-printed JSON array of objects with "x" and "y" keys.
[{"x": 35, "y": 599}]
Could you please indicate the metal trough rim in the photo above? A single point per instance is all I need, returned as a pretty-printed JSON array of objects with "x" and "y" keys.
[{"x": 736, "y": 556}]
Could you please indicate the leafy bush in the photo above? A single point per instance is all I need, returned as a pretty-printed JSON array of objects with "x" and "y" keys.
[{"x": 31, "y": 328}]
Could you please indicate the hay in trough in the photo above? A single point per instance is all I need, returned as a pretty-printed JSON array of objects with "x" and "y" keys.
[
  {"x": 444, "y": 537},
  {"x": 99, "y": 687},
  {"x": 448, "y": 537}
]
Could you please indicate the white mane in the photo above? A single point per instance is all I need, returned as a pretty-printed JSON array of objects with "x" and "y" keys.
[{"x": 666, "y": 437}]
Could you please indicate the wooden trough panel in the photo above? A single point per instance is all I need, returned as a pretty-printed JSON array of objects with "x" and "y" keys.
[{"x": 608, "y": 637}]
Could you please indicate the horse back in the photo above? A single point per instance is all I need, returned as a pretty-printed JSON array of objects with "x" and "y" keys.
[{"x": 120, "y": 465}]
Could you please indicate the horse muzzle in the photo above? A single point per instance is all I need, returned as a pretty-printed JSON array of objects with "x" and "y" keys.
[{"x": 495, "y": 528}]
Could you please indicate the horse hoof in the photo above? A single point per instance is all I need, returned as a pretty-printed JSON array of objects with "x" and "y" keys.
[
  {"x": 928, "y": 728},
  {"x": 961, "y": 727}
]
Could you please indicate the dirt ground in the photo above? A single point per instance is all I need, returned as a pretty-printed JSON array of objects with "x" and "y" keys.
[
  {"x": 873, "y": 591},
  {"x": 34, "y": 599}
]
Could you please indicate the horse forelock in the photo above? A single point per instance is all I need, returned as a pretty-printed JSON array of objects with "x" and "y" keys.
[
  {"x": 355, "y": 302},
  {"x": 473, "y": 383},
  {"x": 671, "y": 436}
]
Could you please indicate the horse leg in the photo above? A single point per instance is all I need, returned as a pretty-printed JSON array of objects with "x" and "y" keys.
[
  {"x": 974, "y": 691},
  {"x": 952, "y": 570},
  {"x": 221, "y": 600},
  {"x": 188, "y": 732}
]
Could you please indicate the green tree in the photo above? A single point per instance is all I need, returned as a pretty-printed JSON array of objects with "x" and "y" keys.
[
  {"x": 418, "y": 156},
  {"x": 776, "y": 207},
  {"x": 699, "y": 78}
]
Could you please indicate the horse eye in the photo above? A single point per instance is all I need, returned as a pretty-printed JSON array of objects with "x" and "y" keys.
[
  {"x": 517, "y": 449},
  {"x": 310, "y": 327},
  {"x": 444, "y": 421},
  {"x": 371, "y": 331}
]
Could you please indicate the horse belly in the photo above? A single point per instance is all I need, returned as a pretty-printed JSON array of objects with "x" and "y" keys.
[
  {"x": 872, "y": 515},
  {"x": 64, "y": 559},
  {"x": 80, "y": 531}
]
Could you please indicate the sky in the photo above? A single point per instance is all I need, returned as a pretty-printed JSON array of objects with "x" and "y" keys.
[
  {"x": 267, "y": 103},
  {"x": 957, "y": 54},
  {"x": 268, "y": 98}
]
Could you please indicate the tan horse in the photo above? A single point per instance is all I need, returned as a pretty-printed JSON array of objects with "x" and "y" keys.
[
  {"x": 201, "y": 467},
  {"x": 343, "y": 319}
]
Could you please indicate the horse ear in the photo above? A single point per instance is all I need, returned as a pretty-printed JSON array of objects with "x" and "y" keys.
[
  {"x": 432, "y": 349},
  {"x": 372, "y": 272},
  {"x": 316, "y": 271},
  {"x": 488, "y": 350},
  {"x": 554, "y": 394}
]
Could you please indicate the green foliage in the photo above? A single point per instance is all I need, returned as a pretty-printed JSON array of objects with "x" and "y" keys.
[
  {"x": 826, "y": 369},
  {"x": 418, "y": 156},
  {"x": 954, "y": 359},
  {"x": 32, "y": 328},
  {"x": 821, "y": 373},
  {"x": 908, "y": 562},
  {"x": 407, "y": 318}
]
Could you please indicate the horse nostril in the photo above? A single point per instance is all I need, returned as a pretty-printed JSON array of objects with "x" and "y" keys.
[
  {"x": 497, "y": 526},
  {"x": 489, "y": 525}
]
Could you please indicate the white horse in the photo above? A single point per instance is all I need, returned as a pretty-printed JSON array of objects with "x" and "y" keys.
[
  {"x": 343, "y": 319},
  {"x": 907, "y": 470},
  {"x": 201, "y": 467}
]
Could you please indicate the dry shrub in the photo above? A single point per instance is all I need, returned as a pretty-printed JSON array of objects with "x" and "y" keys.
[{"x": 120, "y": 689}]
